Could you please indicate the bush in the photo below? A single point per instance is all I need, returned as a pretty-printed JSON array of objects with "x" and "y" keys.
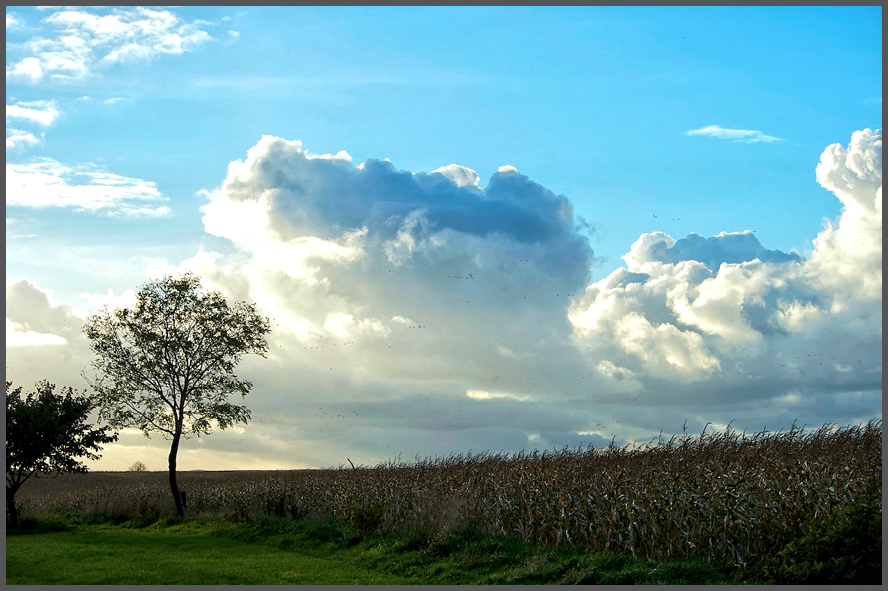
[
  {"x": 146, "y": 514},
  {"x": 39, "y": 523},
  {"x": 841, "y": 547},
  {"x": 330, "y": 530},
  {"x": 367, "y": 517}
]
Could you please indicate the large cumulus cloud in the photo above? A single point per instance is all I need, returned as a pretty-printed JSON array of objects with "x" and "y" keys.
[
  {"x": 292, "y": 195},
  {"x": 762, "y": 327},
  {"x": 847, "y": 256},
  {"x": 400, "y": 295},
  {"x": 372, "y": 243}
]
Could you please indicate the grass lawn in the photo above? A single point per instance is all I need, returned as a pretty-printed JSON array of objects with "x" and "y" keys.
[
  {"x": 218, "y": 552},
  {"x": 182, "y": 554}
]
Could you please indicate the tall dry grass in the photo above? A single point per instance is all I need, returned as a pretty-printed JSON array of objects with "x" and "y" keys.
[{"x": 725, "y": 498}]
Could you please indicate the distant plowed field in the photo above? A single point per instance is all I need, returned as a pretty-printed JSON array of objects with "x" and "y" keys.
[{"x": 725, "y": 498}]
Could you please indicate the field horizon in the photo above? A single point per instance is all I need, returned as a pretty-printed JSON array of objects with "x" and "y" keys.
[{"x": 768, "y": 502}]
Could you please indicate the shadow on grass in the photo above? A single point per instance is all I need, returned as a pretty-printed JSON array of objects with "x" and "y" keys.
[{"x": 34, "y": 525}]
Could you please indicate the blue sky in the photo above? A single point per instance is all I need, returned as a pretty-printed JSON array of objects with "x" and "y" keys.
[{"x": 656, "y": 134}]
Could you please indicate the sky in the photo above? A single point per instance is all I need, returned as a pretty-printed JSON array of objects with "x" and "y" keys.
[{"x": 473, "y": 229}]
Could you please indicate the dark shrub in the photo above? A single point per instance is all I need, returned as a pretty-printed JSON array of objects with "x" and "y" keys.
[
  {"x": 367, "y": 518},
  {"x": 842, "y": 547}
]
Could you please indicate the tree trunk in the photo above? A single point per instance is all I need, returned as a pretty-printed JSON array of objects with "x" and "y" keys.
[
  {"x": 11, "y": 509},
  {"x": 174, "y": 486}
]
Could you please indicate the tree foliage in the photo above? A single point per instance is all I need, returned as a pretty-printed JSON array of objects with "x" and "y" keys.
[
  {"x": 46, "y": 434},
  {"x": 138, "y": 467},
  {"x": 167, "y": 364}
]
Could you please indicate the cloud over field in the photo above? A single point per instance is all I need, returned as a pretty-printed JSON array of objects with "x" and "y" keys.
[
  {"x": 424, "y": 313},
  {"x": 772, "y": 325},
  {"x": 422, "y": 289},
  {"x": 368, "y": 252},
  {"x": 386, "y": 283}
]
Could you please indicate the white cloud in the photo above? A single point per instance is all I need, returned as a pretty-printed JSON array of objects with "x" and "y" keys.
[
  {"x": 33, "y": 318},
  {"x": 15, "y": 337},
  {"x": 43, "y": 338},
  {"x": 479, "y": 294},
  {"x": 460, "y": 175},
  {"x": 725, "y": 309},
  {"x": 112, "y": 301},
  {"x": 29, "y": 68},
  {"x": 726, "y": 247},
  {"x": 40, "y": 112},
  {"x": 17, "y": 138},
  {"x": 748, "y": 136},
  {"x": 280, "y": 194},
  {"x": 485, "y": 395},
  {"x": 410, "y": 287},
  {"x": 854, "y": 174},
  {"x": 847, "y": 256},
  {"x": 48, "y": 183},
  {"x": 83, "y": 40}
]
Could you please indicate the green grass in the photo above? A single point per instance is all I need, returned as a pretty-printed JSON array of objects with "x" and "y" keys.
[
  {"x": 284, "y": 551},
  {"x": 187, "y": 554}
]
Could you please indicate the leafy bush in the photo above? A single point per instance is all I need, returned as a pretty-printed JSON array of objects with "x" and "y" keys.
[
  {"x": 146, "y": 514},
  {"x": 366, "y": 517},
  {"x": 841, "y": 547},
  {"x": 40, "y": 523}
]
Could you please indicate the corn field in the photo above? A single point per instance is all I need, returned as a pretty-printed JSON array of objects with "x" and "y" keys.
[{"x": 725, "y": 498}]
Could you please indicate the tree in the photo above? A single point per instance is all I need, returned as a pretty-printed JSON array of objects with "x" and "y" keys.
[
  {"x": 45, "y": 434},
  {"x": 167, "y": 365}
]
